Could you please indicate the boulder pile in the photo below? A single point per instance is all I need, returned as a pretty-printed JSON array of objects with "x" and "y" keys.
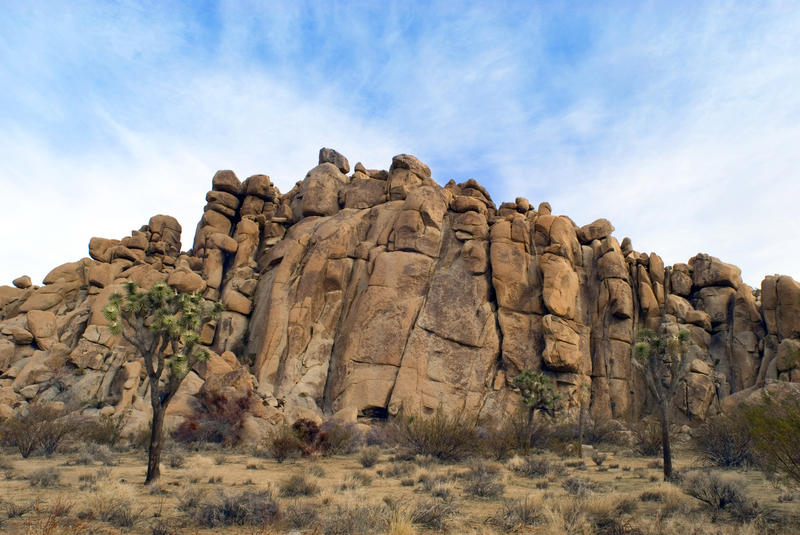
[{"x": 381, "y": 291}]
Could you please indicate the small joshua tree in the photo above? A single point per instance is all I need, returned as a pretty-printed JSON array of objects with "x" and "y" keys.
[
  {"x": 663, "y": 360},
  {"x": 538, "y": 393},
  {"x": 163, "y": 326}
]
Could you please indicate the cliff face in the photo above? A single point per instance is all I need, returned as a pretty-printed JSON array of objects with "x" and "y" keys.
[{"x": 383, "y": 291}]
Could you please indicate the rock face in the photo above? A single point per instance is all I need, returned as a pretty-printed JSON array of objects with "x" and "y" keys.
[{"x": 383, "y": 292}]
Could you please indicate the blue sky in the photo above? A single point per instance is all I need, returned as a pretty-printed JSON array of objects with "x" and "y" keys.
[{"x": 677, "y": 121}]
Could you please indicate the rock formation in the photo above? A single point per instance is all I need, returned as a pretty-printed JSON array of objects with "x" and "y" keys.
[{"x": 382, "y": 292}]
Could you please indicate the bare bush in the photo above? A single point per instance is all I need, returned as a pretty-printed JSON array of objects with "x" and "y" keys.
[
  {"x": 106, "y": 429},
  {"x": 44, "y": 478},
  {"x": 515, "y": 515},
  {"x": 432, "y": 513},
  {"x": 725, "y": 440},
  {"x": 249, "y": 508},
  {"x": 353, "y": 519},
  {"x": 221, "y": 423},
  {"x": 721, "y": 493},
  {"x": 483, "y": 480},
  {"x": 447, "y": 437},
  {"x": 369, "y": 456},
  {"x": 298, "y": 485},
  {"x": 578, "y": 486},
  {"x": 302, "y": 515},
  {"x": 647, "y": 437},
  {"x": 39, "y": 427},
  {"x": 535, "y": 467}
]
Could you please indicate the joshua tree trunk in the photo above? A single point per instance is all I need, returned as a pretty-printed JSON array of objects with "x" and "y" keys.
[
  {"x": 665, "y": 439},
  {"x": 156, "y": 437},
  {"x": 580, "y": 431}
]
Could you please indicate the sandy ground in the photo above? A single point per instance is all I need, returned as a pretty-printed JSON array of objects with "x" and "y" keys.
[{"x": 82, "y": 491}]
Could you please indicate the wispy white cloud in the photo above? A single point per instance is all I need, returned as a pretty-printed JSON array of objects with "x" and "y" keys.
[{"x": 675, "y": 122}]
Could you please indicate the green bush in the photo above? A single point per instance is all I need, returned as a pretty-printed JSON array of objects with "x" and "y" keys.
[{"x": 775, "y": 428}]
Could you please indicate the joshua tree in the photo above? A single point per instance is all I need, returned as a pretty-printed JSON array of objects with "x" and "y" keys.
[
  {"x": 663, "y": 360},
  {"x": 538, "y": 394},
  {"x": 163, "y": 325}
]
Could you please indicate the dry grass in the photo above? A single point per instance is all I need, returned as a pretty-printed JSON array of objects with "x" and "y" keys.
[{"x": 456, "y": 497}]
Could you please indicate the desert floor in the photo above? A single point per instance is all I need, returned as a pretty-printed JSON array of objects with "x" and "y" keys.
[{"x": 100, "y": 491}]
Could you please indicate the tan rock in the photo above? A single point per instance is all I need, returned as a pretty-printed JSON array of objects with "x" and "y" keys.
[
  {"x": 561, "y": 352},
  {"x": 711, "y": 271},
  {"x": 681, "y": 280},
  {"x": 236, "y": 302},
  {"x": 612, "y": 265},
  {"x": 222, "y": 242},
  {"x": 213, "y": 365},
  {"x": 331, "y": 156},
  {"x": 22, "y": 282},
  {"x": 100, "y": 248},
  {"x": 9, "y": 294},
  {"x": 226, "y": 181},
  {"x": 560, "y": 286},
  {"x": 260, "y": 186},
  {"x": 788, "y": 356},
  {"x": 596, "y": 230},
  {"x": 42, "y": 325},
  {"x": 186, "y": 281},
  {"x": 716, "y": 302}
]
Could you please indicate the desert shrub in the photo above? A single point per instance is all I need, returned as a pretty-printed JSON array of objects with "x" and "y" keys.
[
  {"x": 646, "y": 436},
  {"x": 369, "y": 456},
  {"x": 221, "y": 423},
  {"x": 283, "y": 443},
  {"x": 725, "y": 440},
  {"x": 355, "y": 480},
  {"x": 377, "y": 435},
  {"x": 91, "y": 452},
  {"x": 44, "y": 478},
  {"x": 483, "y": 480},
  {"x": 106, "y": 429},
  {"x": 298, "y": 485},
  {"x": 578, "y": 486},
  {"x": 40, "y": 427},
  {"x": 432, "y": 514},
  {"x": 447, "y": 437},
  {"x": 115, "y": 505},
  {"x": 515, "y": 515},
  {"x": 775, "y": 428},
  {"x": 604, "y": 431},
  {"x": 249, "y": 508},
  {"x": 512, "y": 434},
  {"x": 339, "y": 438},
  {"x": 301, "y": 515},
  {"x": 598, "y": 458},
  {"x": 535, "y": 467},
  {"x": 15, "y": 510},
  {"x": 611, "y": 514},
  {"x": 353, "y": 519},
  {"x": 430, "y": 481},
  {"x": 721, "y": 493},
  {"x": 316, "y": 470},
  {"x": 176, "y": 459}
]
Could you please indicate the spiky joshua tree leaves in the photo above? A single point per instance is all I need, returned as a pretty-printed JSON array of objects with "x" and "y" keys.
[
  {"x": 163, "y": 325},
  {"x": 663, "y": 361},
  {"x": 538, "y": 394}
]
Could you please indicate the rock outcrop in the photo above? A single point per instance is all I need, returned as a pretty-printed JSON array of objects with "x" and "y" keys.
[{"x": 381, "y": 292}]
